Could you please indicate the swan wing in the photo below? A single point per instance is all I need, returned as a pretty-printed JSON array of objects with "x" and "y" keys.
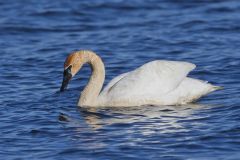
[
  {"x": 189, "y": 90},
  {"x": 113, "y": 82},
  {"x": 151, "y": 80}
]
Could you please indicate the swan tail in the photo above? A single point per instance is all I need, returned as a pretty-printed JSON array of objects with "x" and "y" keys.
[{"x": 215, "y": 88}]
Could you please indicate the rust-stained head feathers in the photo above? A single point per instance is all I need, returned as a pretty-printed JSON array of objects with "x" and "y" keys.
[
  {"x": 71, "y": 59},
  {"x": 71, "y": 66},
  {"x": 75, "y": 60}
]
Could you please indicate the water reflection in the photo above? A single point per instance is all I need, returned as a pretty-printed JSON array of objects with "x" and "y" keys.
[{"x": 147, "y": 119}]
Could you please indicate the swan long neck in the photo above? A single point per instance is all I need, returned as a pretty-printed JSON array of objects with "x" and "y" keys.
[{"x": 89, "y": 96}]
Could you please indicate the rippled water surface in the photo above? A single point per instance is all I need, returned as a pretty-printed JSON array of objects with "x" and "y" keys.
[{"x": 38, "y": 122}]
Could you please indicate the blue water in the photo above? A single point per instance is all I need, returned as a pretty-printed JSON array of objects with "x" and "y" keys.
[{"x": 38, "y": 122}]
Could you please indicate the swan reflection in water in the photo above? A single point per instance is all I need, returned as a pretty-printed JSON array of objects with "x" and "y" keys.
[{"x": 147, "y": 119}]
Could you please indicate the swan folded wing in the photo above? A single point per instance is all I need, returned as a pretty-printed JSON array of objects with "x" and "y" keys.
[
  {"x": 113, "y": 82},
  {"x": 188, "y": 91},
  {"x": 153, "y": 79}
]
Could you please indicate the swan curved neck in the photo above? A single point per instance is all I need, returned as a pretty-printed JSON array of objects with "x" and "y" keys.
[{"x": 89, "y": 96}]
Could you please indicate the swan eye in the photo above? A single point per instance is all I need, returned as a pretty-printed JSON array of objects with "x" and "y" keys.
[
  {"x": 67, "y": 71},
  {"x": 69, "y": 67}
]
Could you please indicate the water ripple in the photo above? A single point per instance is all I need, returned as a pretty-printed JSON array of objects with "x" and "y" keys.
[{"x": 38, "y": 121}]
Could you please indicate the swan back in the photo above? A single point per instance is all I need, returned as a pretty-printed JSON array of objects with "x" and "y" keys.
[{"x": 150, "y": 81}]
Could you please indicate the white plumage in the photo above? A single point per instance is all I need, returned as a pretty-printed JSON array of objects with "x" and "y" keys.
[{"x": 159, "y": 82}]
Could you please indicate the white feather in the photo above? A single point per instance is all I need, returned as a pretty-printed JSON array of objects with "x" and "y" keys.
[{"x": 157, "y": 82}]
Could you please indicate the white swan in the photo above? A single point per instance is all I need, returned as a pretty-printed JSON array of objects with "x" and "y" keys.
[{"x": 159, "y": 82}]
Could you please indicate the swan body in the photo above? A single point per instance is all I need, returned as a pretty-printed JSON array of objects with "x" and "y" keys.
[{"x": 159, "y": 82}]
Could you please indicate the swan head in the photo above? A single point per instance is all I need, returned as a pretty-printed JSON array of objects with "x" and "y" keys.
[{"x": 72, "y": 65}]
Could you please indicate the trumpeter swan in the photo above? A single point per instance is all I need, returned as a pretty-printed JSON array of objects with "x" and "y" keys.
[{"x": 159, "y": 82}]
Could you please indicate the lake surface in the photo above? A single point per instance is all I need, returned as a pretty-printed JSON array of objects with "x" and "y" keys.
[{"x": 39, "y": 122}]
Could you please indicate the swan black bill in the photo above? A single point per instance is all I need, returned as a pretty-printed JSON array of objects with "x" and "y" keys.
[{"x": 67, "y": 75}]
